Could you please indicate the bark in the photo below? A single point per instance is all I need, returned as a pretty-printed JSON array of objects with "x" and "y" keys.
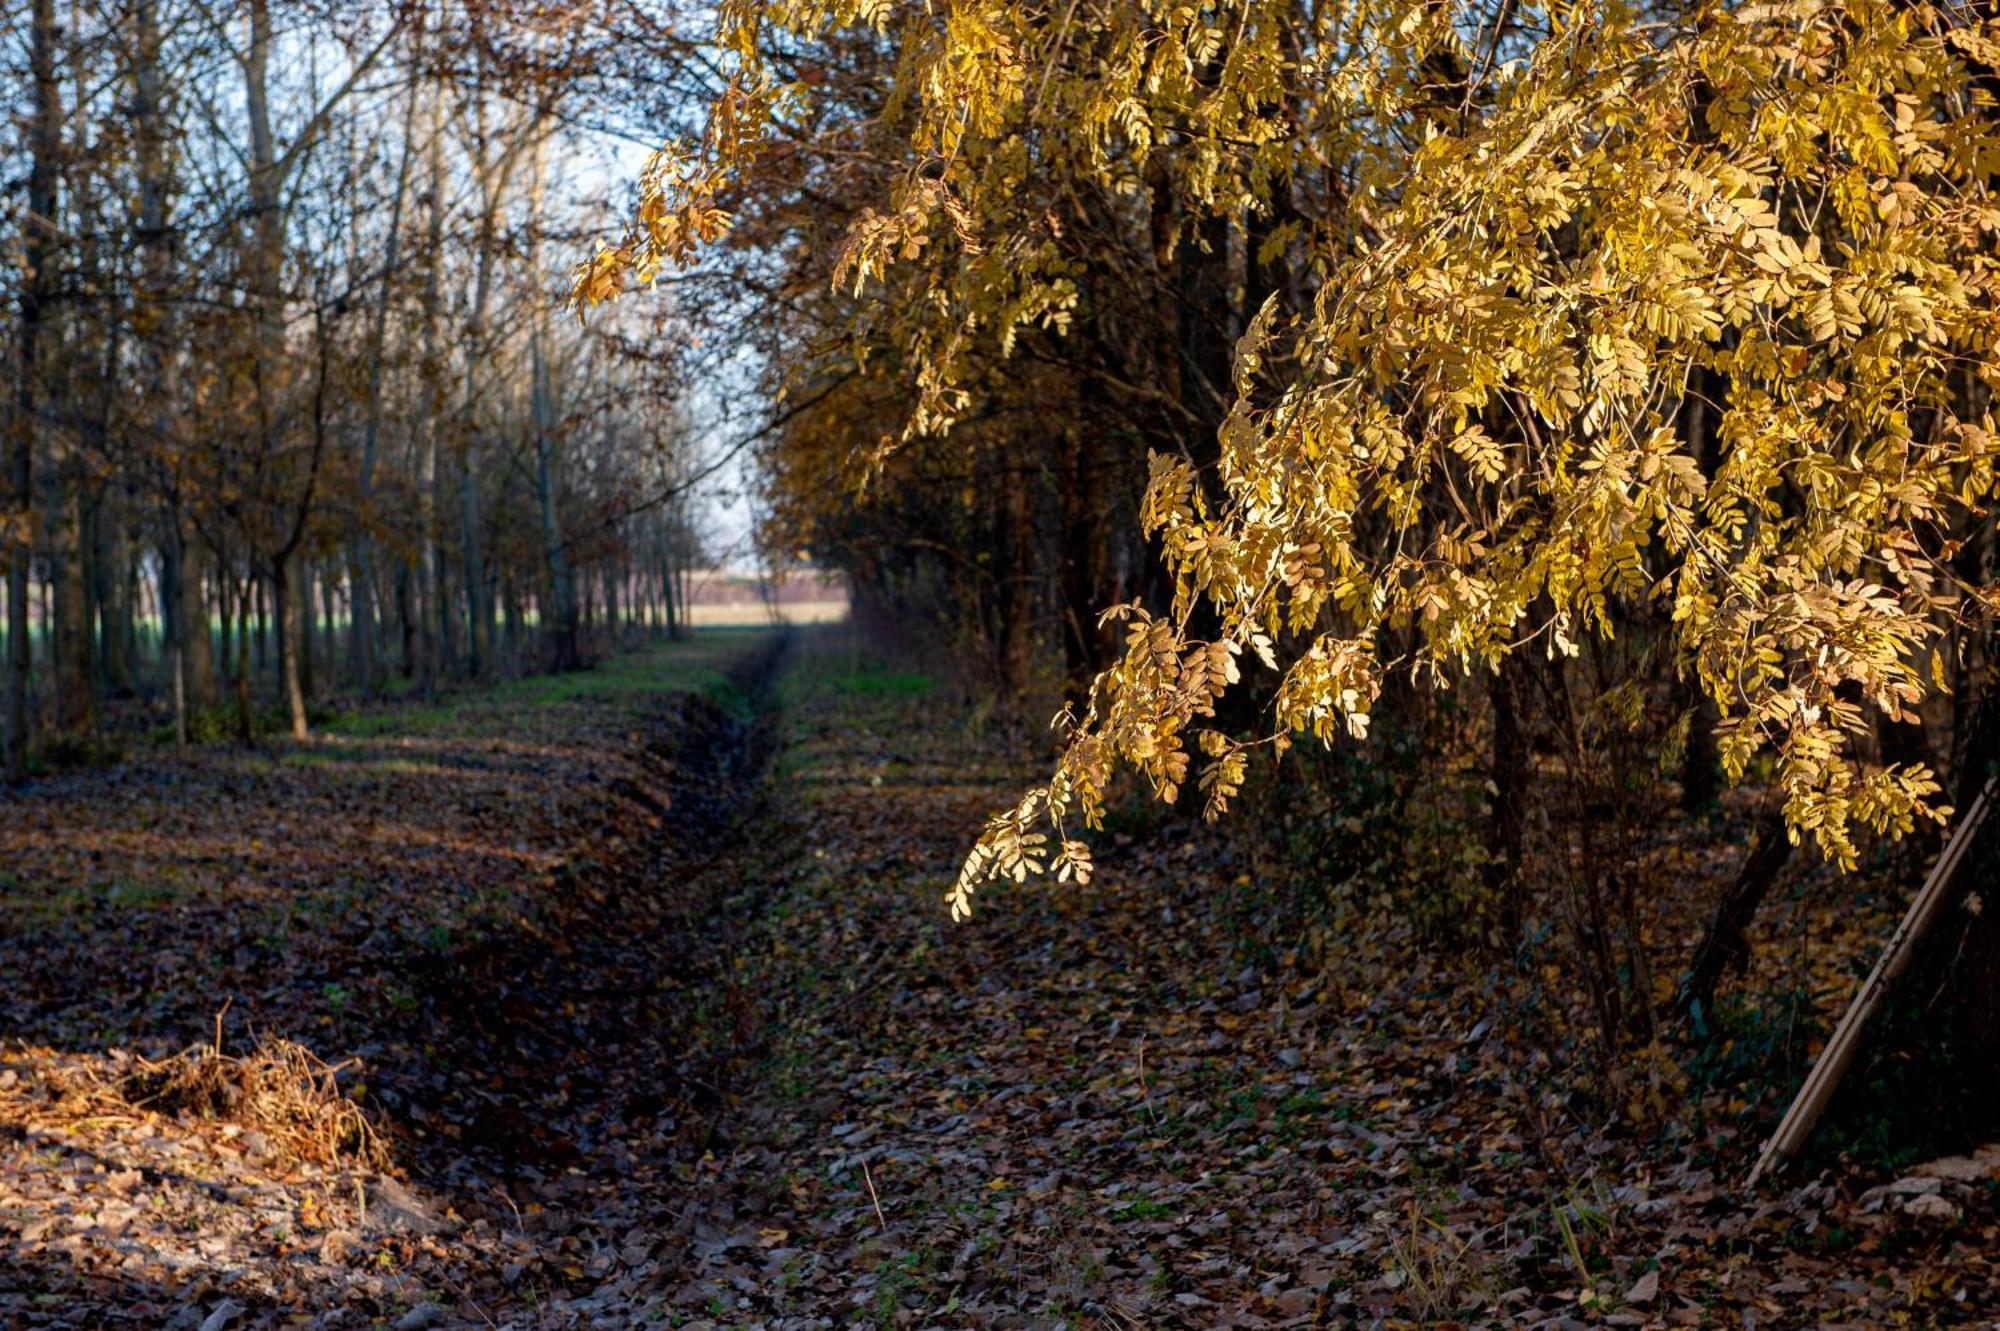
[
  {"x": 1701, "y": 764},
  {"x": 48, "y": 614},
  {"x": 1975, "y": 981},
  {"x": 611, "y": 621},
  {"x": 197, "y": 642},
  {"x": 184, "y": 608},
  {"x": 75, "y": 678},
  {"x": 516, "y": 616},
  {"x": 225, "y": 599},
  {"x": 38, "y": 289},
  {"x": 245, "y": 730},
  {"x": 288, "y": 593},
  {"x": 302, "y": 630},
  {"x": 559, "y": 623},
  {"x": 1973, "y": 975},
  {"x": 114, "y": 595},
  {"x": 450, "y": 613},
  {"x": 268, "y": 173},
  {"x": 173, "y": 633},
  {"x": 1726, "y": 944},
  {"x": 1933, "y": 902},
  {"x": 1510, "y": 772},
  {"x": 1204, "y": 330},
  {"x": 262, "y": 648},
  {"x": 491, "y": 175},
  {"x": 82, "y": 382},
  {"x": 406, "y": 620},
  {"x": 329, "y": 602},
  {"x": 361, "y": 550},
  {"x": 1083, "y": 542},
  {"x": 478, "y": 598},
  {"x": 1017, "y": 596},
  {"x": 669, "y": 602},
  {"x": 429, "y": 607}
]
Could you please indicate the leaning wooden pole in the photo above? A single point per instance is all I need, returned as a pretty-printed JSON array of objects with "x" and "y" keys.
[{"x": 1840, "y": 1049}]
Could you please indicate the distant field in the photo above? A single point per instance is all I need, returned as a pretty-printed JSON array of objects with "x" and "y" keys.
[{"x": 755, "y": 612}]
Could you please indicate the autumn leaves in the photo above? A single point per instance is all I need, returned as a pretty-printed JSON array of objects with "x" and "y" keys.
[{"x": 1520, "y": 247}]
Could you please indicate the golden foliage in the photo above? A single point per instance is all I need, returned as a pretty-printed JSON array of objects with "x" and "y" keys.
[{"x": 1540, "y": 232}]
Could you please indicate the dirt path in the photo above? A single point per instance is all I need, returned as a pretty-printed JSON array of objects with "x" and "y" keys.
[
  {"x": 740, "y": 1071},
  {"x": 1116, "y": 1107}
]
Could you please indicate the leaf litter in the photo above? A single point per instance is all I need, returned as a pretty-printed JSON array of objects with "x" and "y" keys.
[{"x": 649, "y": 1008}]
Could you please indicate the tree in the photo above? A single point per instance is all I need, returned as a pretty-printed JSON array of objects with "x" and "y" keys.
[
  {"x": 1530, "y": 233},
  {"x": 202, "y": 429},
  {"x": 38, "y": 289}
]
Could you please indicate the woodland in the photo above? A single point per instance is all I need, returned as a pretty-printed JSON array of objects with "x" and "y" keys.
[{"x": 1410, "y": 746}]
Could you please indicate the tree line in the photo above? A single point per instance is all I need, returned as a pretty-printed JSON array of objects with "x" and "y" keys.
[
  {"x": 291, "y": 404},
  {"x": 1544, "y": 414}
]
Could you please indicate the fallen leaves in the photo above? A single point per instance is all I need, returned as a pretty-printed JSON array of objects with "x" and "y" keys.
[{"x": 741, "y": 1072}]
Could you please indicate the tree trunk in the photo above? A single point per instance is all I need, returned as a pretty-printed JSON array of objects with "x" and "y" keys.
[
  {"x": 611, "y": 576},
  {"x": 113, "y": 566},
  {"x": 38, "y": 290},
  {"x": 265, "y": 648},
  {"x": 1017, "y": 614},
  {"x": 267, "y": 175},
  {"x": 204, "y": 682},
  {"x": 677, "y": 611},
  {"x": 91, "y": 358},
  {"x": 361, "y": 549},
  {"x": 183, "y": 605},
  {"x": 75, "y": 677},
  {"x": 289, "y": 595},
  {"x": 1725, "y": 945},
  {"x": 329, "y": 606},
  {"x": 175, "y": 628},
  {"x": 173, "y": 632},
  {"x": 478, "y": 605},
  {"x": 246, "y": 730},
  {"x": 406, "y": 621},
  {"x": 516, "y": 626},
  {"x": 1701, "y": 764},
  {"x": 490, "y": 174},
  {"x": 429, "y": 600},
  {"x": 360, "y": 616},
  {"x": 225, "y": 599},
  {"x": 1511, "y": 771},
  {"x": 560, "y": 612},
  {"x": 303, "y": 631}
]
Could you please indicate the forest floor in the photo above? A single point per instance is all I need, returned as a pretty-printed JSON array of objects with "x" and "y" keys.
[{"x": 629, "y": 999}]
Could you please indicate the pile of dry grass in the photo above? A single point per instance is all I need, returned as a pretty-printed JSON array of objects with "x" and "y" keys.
[{"x": 281, "y": 1090}]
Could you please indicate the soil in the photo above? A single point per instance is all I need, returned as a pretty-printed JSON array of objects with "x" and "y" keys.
[{"x": 652, "y": 1003}]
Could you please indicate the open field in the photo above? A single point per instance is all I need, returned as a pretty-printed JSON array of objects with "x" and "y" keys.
[{"x": 743, "y": 614}]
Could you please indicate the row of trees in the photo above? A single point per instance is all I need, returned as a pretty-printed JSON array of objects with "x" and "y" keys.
[
  {"x": 1633, "y": 363},
  {"x": 288, "y": 390}
]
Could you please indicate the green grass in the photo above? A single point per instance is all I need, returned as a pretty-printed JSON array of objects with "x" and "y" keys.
[
  {"x": 1144, "y": 1208},
  {"x": 878, "y": 682},
  {"x": 630, "y": 682},
  {"x": 47, "y": 910}
]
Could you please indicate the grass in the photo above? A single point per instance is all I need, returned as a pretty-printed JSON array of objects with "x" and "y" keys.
[
  {"x": 71, "y": 904},
  {"x": 1144, "y": 1208},
  {"x": 76, "y": 893},
  {"x": 1441, "y": 1273},
  {"x": 630, "y": 681},
  {"x": 878, "y": 682}
]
